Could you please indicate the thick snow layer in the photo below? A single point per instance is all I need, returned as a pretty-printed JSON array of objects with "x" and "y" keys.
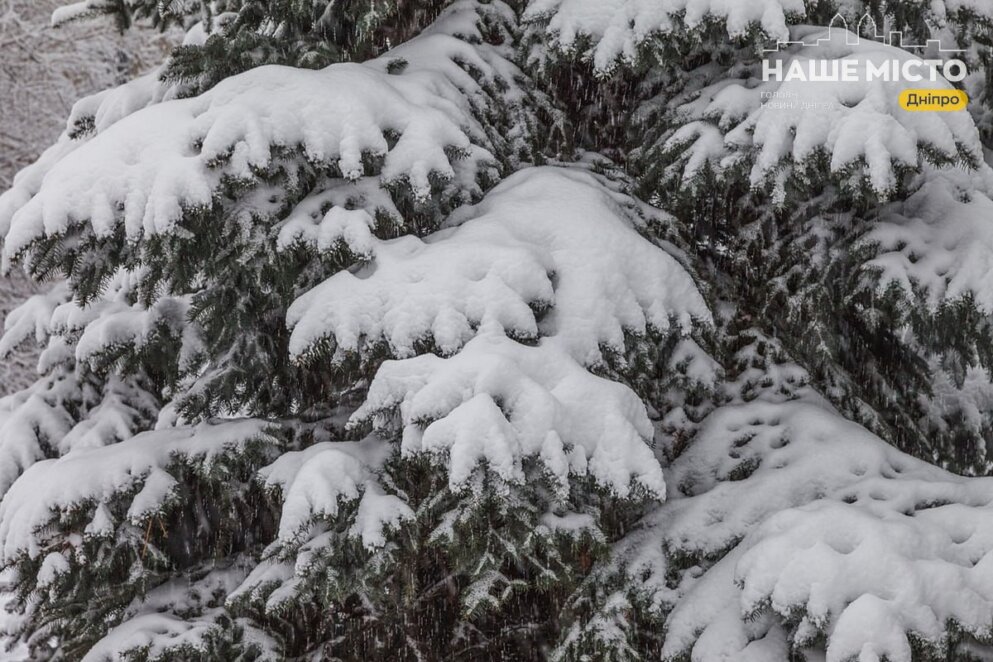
[
  {"x": 315, "y": 481},
  {"x": 551, "y": 255},
  {"x": 176, "y": 618},
  {"x": 618, "y": 27},
  {"x": 939, "y": 242},
  {"x": 417, "y": 109},
  {"x": 99, "y": 111},
  {"x": 857, "y": 124},
  {"x": 109, "y": 322},
  {"x": 114, "y": 323},
  {"x": 823, "y": 525},
  {"x": 121, "y": 412},
  {"x": 498, "y": 402},
  {"x": 546, "y": 238},
  {"x": 31, "y": 421},
  {"x": 157, "y": 633},
  {"x": 615, "y": 29},
  {"x": 32, "y": 319},
  {"x": 53, "y": 566},
  {"x": 435, "y": 288},
  {"x": 146, "y": 168},
  {"x": 340, "y": 225},
  {"x": 96, "y": 475}
]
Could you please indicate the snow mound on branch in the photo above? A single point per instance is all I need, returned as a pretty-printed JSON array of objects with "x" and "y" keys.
[
  {"x": 93, "y": 476},
  {"x": 121, "y": 412},
  {"x": 339, "y": 226},
  {"x": 74, "y": 12},
  {"x": 825, "y": 530},
  {"x": 315, "y": 481},
  {"x": 612, "y": 31},
  {"x": 940, "y": 240},
  {"x": 97, "y": 112},
  {"x": 340, "y": 214},
  {"x": 544, "y": 237},
  {"x": 618, "y": 27},
  {"x": 498, "y": 402},
  {"x": 175, "y": 619},
  {"x": 776, "y": 125},
  {"x": 466, "y": 56},
  {"x": 146, "y": 169},
  {"x": 415, "y": 288},
  {"x": 158, "y": 634},
  {"x": 32, "y": 319},
  {"x": 444, "y": 47},
  {"x": 32, "y": 422},
  {"x": 110, "y": 322}
]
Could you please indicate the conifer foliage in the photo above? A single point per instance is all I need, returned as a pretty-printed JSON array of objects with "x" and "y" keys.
[{"x": 505, "y": 330}]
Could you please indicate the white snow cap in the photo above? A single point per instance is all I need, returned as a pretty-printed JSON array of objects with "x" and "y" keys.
[
  {"x": 314, "y": 483},
  {"x": 828, "y": 527},
  {"x": 618, "y": 27},
  {"x": 95, "y": 475},
  {"x": 499, "y": 402},
  {"x": 146, "y": 168},
  {"x": 937, "y": 245},
  {"x": 545, "y": 237}
]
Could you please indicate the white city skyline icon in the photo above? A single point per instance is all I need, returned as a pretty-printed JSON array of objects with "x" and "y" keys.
[{"x": 866, "y": 25}]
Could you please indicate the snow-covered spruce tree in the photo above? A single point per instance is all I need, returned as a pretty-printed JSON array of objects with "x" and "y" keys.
[
  {"x": 848, "y": 247},
  {"x": 45, "y": 70},
  {"x": 255, "y": 481},
  {"x": 382, "y": 358},
  {"x": 857, "y": 230}
]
